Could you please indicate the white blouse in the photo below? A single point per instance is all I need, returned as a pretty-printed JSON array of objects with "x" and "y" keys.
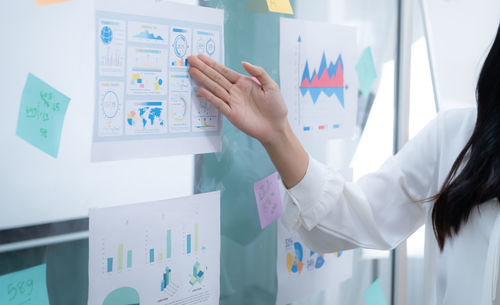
[{"x": 382, "y": 209}]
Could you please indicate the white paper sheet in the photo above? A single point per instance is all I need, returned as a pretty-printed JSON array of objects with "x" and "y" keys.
[
  {"x": 318, "y": 78},
  {"x": 302, "y": 272},
  {"x": 163, "y": 252},
  {"x": 145, "y": 102}
]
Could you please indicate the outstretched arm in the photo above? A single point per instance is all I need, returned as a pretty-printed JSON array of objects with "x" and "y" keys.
[{"x": 256, "y": 109}]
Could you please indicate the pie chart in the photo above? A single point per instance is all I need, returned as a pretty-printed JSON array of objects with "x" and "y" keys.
[{"x": 122, "y": 296}]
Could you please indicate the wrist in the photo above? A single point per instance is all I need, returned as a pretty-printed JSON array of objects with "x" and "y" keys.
[
  {"x": 288, "y": 155},
  {"x": 279, "y": 136}
]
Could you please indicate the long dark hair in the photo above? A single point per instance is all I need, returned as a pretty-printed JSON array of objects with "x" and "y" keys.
[{"x": 479, "y": 178}]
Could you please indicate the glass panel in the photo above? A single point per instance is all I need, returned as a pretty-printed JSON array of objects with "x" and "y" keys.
[
  {"x": 422, "y": 111},
  {"x": 246, "y": 249},
  {"x": 248, "y": 265}
]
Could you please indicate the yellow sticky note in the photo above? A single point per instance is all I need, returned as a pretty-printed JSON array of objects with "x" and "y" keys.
[
  {"x": 45, "y": 2},
  {"x": 280, "y": 6}
]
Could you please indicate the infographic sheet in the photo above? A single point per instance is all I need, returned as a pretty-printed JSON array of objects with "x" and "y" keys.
[
  {"x": 164, "y": 252},
  {"x": 302, "y": 272},
  {"x": 146, "y": 104},
  {"x": 318, "y": 78}
]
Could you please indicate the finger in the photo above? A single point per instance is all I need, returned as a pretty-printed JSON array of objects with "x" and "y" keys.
[
  {"x": 260, "y": 74},
  {"x": 210, "y": 72},
  {"x": 214, "y": 100},
  {"x": 214, "y": 87},
  {"x": 231, "y": 75}
]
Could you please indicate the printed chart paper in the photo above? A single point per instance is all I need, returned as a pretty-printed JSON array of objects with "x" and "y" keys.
[
  {"x": 302, "y": 272},
  {"x": 318, "y": 79},
  {"x": 146, "y": 104},
  {"x": 26, "y": 287},
  {"x": 164, "y": 252},
  {"x": 41, "y": 115}
]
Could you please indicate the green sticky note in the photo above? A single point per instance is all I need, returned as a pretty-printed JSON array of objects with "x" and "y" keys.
[
  {"x": 374, "y": 294},
  {"x": 26, "y": 287},
  {"x": 41, "y": 115},
  {"x": 365, "y": 69}
]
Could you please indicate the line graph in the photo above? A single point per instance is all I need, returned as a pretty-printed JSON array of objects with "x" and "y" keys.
[
  {"x": 329, "y": 79},
  {"x": 317, "y": 78}
]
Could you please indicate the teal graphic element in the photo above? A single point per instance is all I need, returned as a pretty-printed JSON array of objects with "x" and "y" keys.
[
  {"x": 365, "y": 69},
  {"x": 374, "y": 294},
  {"x": 27, "y": 287},
  {"x": 41, "y": 115},
  {"x": 122, "y": 296}
]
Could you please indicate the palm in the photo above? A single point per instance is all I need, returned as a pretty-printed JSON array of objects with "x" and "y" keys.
[{"x": 254, "y": 110}]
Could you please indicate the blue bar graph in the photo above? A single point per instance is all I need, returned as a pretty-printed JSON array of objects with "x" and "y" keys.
[
  {"x": 189, "y": 243},
  {"x": 110, "y": 264},
  {"x": 129, "y": 259},
  {"x": 169, "y": 244},
  {"x": 151, "y": 255},
  {"x": 166, "y": 278}
]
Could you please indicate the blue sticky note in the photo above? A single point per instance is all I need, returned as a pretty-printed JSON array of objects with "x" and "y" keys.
[
  {"x": 41, "y": 115},
  {"x": 26, "y": 287},
  {"x": 374, "y": 294},
  {"x": 365, "y": 69}
]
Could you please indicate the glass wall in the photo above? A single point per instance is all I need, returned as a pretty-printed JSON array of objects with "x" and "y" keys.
[{"x": 248, "y": 253}]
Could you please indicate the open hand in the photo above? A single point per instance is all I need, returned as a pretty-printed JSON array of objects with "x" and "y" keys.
[{"x": 256, "y": 108}]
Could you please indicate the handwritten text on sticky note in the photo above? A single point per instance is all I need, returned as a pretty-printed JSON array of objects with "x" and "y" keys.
[
  {"x": 26, "y": 287},
  {"x": 365, "y": 69},
  {"x": 374, "y": 294},
  {"x": 41, "y": 115},
  {"x": 268, "y": 197},
  {"x": 280, "y": 6}
]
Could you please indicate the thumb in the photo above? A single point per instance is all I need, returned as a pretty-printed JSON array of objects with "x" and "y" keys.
[{"x": 259, "y": 73}]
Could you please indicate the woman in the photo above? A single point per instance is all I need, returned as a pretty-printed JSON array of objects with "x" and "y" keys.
[{"x": 454, "y": 161}]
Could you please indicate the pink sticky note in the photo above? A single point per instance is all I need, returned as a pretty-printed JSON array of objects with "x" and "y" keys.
[{"x": 268, "y": 198}]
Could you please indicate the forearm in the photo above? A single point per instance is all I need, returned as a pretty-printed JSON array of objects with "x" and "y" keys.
[{"x": 288, "y": 156}]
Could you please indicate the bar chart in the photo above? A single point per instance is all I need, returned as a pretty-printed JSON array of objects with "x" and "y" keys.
[
  {"x": 192, "y": 240},
  {"x": 163, "y": 252},
  {"x": 122, "y": 261},
  {"x": 167, "y": 251}
]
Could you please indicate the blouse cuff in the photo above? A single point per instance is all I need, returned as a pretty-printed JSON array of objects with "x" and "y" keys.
[{"x": 313, "y": 197}]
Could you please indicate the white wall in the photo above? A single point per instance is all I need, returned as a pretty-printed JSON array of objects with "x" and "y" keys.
[{"x": 459, "y": 35}]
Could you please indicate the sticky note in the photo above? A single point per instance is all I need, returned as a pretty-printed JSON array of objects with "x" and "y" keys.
[
  {"x": 280, "y": 6},
  {"x": 365, "y": 69},
  {"x": 26, "y": 287},
  {"x": 374, "y": 294},
  {"x": 268, "y": 198},
  {"x": 45, "y": 2},
  {"x": 41, "y": 115}
]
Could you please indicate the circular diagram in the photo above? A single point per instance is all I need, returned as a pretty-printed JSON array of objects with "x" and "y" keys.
[
  {"x": 200, "y": 45},
  {"x": 180, "y": 109},
  {"x": 180, "y": 46},
  {"x": 110, "y": 104},
  {"x": 122, "y": 296},
  {"x": 210, "y": 47},
  {"x": 106, "y": 35},
  {"x": 131, "y": 118}
]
